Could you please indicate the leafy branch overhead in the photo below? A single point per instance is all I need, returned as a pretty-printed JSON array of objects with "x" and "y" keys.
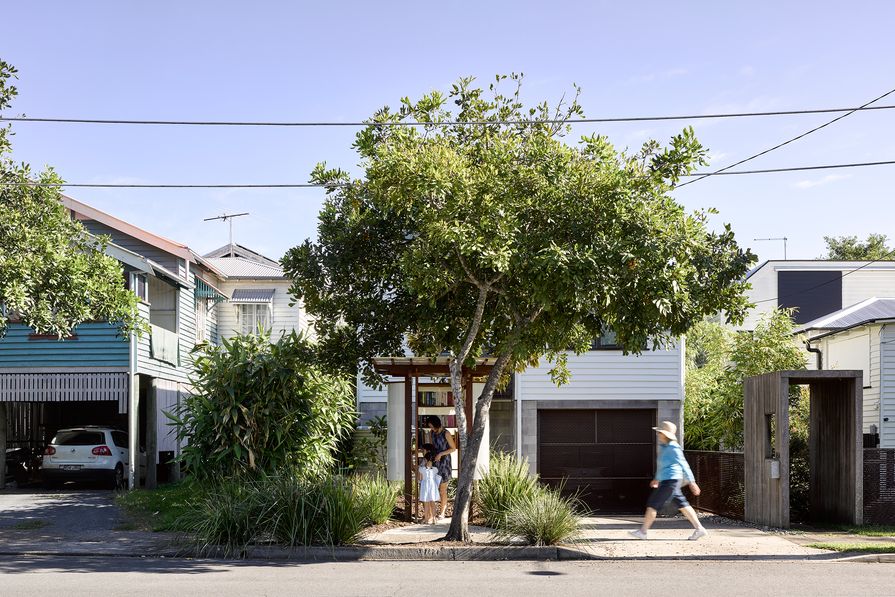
[
  {"x": 507, "y": 240},
  {"x": 53, "y": 274},
  {"x": 561, "y": 239}
]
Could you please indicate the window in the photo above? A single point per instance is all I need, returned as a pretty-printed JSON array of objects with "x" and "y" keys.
[
  {"x": 201, "y": 320},
  {"x": 251, "y": 318},
  {"x": 120, "y": 439},
  {"x": 606, "y": 341},
  {"x": 812, "y": 294},
  {"x": 78, "y": 438},
  {"x": 139, "y": 286}
]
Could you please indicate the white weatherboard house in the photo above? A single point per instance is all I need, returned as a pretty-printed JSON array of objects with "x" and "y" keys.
[
  {"x": 593, "y": 433},
  {"x": 259, "y": 294},
  {"x": 862, "y": 337}
]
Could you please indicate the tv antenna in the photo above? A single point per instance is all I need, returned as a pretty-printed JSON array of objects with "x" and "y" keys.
[
  {"x": 228, "y": 218},
  {"x": 783, "y": 238}
]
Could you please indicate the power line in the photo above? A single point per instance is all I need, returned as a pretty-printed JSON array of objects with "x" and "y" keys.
[
  {"x": 247, "y": 123},
  {"x": 327, "y": 186},
  {"x": 787, "y": 142}
]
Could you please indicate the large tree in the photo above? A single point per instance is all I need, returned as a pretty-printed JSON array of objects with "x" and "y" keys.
[
  {"x": 471, "y": 236},
  {"x": 849, "y": 248},
  {"x": 53, "y": 274}
]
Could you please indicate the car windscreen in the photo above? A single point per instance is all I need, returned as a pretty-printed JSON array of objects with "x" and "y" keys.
[{"x": 78, "y": 438}]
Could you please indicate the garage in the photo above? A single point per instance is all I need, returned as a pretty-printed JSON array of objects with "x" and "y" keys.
[{"x": 605, "y": 456}]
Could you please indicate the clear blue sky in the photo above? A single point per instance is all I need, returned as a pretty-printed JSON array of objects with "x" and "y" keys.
[{"x": 343, "y": 60}]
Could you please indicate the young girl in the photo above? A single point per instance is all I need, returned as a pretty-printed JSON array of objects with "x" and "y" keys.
[{"x": 430, "y": 480}]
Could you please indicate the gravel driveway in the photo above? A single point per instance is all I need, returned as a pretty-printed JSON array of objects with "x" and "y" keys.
[{"x": 64, "y": 514}]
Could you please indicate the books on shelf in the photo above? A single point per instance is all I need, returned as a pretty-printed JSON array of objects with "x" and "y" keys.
[{"x": 435, "y": 397}]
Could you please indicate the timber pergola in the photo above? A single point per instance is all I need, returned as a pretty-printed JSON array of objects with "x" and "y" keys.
[
  {"x": 835, "y": 446},
  {"x": 411, "y": 369}
]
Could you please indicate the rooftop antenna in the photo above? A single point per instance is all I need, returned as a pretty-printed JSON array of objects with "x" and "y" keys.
[
  {"x": 783, "y": 238},
  {"x": 225, "y": 218}
]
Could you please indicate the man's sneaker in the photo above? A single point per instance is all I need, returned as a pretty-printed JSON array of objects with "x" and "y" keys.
[
  {"x": 698, "y": 534},
  {"x": 638, "y": 534}
]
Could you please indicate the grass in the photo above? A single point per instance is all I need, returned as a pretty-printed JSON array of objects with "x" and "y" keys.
[
  {"x": 868, "y": 531},
  {"x": 161, "y": 509},
  {"x": 507, "y": 481},
  {"x": 856, "y": 547},
  {"x": 30, "y": 524}
]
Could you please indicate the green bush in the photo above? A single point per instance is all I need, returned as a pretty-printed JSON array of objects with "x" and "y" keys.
[
  {"x": 375, "y": 497},
  {"x": 289, "y": 509},
  {"x": 507, "y": 480},
  {"x": 261, "y": 407},
  {"x": 543, "y": 517}
]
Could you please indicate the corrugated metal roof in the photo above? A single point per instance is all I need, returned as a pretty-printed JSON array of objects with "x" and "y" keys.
[
  {"x": 252, "y": 295},
  {"x": 239, "y": 267},
  {"x": 872, "y": 309}
]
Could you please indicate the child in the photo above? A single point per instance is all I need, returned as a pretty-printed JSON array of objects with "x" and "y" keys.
[{"x": 429, "y": 480}]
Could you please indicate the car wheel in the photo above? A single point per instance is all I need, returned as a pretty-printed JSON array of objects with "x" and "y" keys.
[{"x": 120, "y": 484}]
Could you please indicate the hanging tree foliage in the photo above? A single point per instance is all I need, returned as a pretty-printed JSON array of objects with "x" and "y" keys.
[{"x": 503, "y": 239}]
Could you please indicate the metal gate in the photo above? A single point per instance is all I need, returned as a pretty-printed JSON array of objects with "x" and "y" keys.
[{"x": 606, "y": 457}]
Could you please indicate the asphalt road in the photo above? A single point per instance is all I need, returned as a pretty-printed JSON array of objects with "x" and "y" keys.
[{"x": 71, "y": 576}]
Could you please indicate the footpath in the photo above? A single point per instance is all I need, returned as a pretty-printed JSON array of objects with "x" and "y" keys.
[{"x": 90, "y": 524}]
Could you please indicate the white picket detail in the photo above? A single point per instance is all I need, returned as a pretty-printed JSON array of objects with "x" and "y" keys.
[{"x": 63, "y": 387}]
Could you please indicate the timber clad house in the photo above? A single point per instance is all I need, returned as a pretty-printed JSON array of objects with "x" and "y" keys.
[
  {"x": 98, "y": 376},
  {"x": 593, "y": 434}
]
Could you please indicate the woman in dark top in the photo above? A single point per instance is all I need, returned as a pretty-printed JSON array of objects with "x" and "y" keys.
[{"x": 444, "y": 447}]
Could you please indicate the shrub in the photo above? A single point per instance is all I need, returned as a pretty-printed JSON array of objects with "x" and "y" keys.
[
  {"x": 262, "y": 407},
  {"x": 507, "y": 480},
  {"x": 544, "y": 517},
  {"x": 375, "y": 496},
  {"x": 290, "y": 509}
]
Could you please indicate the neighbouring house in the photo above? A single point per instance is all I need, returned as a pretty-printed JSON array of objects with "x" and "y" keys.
[
  {"x": 99, "y": 376},
  {"x": 862, "y": 337},
  {"x": 259, "y": 294},
  {"x": 592, "y": 435},
  {"x": 815, "y": 287}
]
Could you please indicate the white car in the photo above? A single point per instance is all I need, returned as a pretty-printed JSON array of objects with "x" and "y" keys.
[{"x": 87, "y": 454}]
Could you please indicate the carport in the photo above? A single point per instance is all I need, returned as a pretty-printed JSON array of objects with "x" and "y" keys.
[{"x": 835, "y": 446}]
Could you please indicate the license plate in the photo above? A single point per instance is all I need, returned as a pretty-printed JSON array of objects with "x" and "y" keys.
[{"x": 70, "y": 467}]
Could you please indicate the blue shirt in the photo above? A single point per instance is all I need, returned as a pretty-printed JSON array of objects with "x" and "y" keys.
[{"x": 671, "y": 463}]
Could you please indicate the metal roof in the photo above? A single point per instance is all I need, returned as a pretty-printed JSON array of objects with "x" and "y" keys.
[
  {"x": 239, "y": 267},
  {"x": 253, "y": 295},
  {"x": 868, "y": 311}
]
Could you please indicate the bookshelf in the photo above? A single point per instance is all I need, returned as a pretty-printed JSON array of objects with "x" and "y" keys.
[{"x": 435, "y": 399}]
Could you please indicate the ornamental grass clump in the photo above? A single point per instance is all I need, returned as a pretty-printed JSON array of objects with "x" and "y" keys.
[
  {"x": 544, "y": 517},
  {"x": 508, "y": 480},
  {"x": 226, "y": 516},
  {"x": 375, "y": 496}
]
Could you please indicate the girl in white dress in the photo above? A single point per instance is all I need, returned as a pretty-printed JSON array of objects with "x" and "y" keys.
[{"x": 429, "y": 480}]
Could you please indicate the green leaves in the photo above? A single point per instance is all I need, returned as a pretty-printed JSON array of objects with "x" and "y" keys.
[
  {"x": 53, "y": 274},
  {"x": 262, "y": 407}
]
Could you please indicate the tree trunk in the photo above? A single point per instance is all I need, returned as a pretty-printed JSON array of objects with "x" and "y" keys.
[{"x": 459, "y": 529}]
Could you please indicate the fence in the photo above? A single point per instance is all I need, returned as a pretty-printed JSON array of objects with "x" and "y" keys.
[
  {"x": 720, "y": 476},
  {"x": 879, "y": 486}
]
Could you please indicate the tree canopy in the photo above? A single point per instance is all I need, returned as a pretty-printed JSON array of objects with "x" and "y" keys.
[
  {"x": 480, "y": 237},
  {"x": 53, "y": 274},
  {"x": 718, "y": 360},
  {"x": 849, "y": 248}
]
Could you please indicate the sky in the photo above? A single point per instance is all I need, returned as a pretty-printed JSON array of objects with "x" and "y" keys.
[{"x": 297, "y": 61}]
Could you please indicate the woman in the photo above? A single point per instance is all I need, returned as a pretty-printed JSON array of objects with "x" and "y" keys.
[
  {"x": 444, "y": 447},
  {"x": 671, "y": 471}
]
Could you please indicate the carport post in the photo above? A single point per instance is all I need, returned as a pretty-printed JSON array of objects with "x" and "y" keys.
[
  {"x": 3, "y": 445},
  {"x": 133, "y": 433}
]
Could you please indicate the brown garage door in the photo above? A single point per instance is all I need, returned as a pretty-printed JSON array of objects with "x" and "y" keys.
[{"x": 606, "y": 456}]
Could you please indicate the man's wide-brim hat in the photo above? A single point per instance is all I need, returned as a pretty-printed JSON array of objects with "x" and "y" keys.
[{"x": 668, "y": 429}]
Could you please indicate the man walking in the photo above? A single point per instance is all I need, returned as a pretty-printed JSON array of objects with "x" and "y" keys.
[{"x": 671, "y": 472}]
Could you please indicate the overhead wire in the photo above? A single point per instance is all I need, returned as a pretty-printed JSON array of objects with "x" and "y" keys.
[
  {"x": 787, "y": 142},
  {"x": 359, "y": 123},
  {"x": 100, "y": 185}
]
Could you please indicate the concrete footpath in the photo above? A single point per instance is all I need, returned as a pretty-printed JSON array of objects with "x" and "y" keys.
[{"x": 89, "y": 523}]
